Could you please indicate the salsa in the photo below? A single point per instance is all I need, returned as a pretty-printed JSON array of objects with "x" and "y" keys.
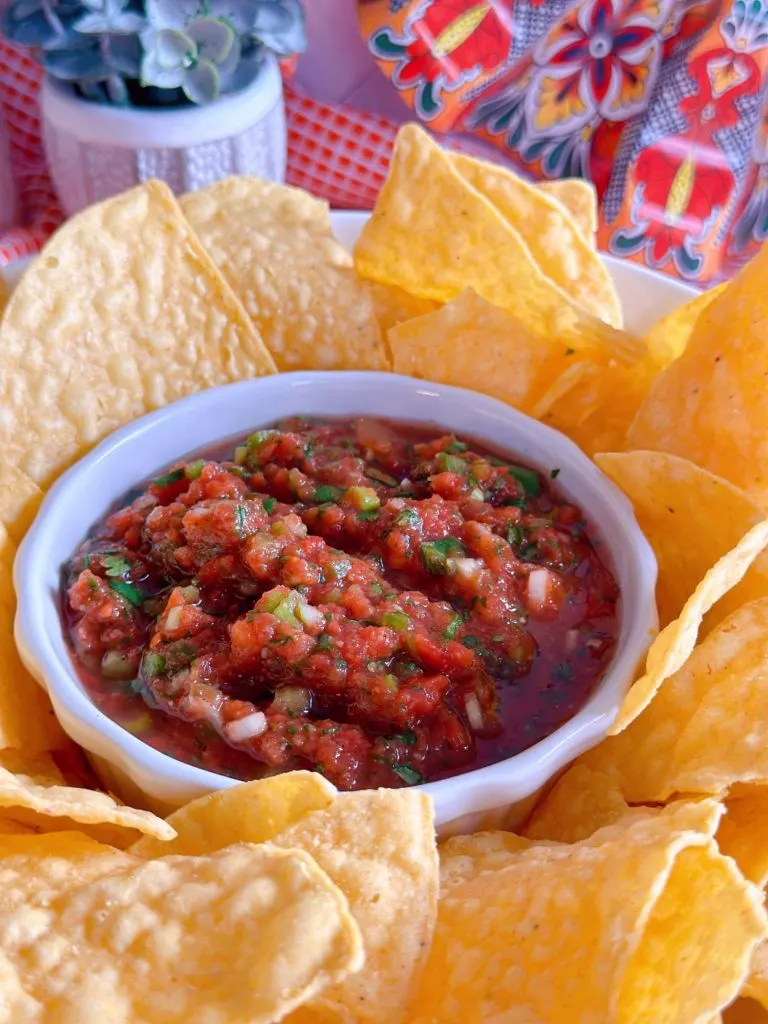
[{"x": 369, "y": 599}]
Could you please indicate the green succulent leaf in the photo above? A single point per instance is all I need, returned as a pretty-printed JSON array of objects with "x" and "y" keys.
[
  {"x": 214, "y": 39},
  {"x": 85, "y": 65},
  {"x": 280, "y": 26},
  {"x": 173, "y": 49},
  {"x": 202, "y": 83},
  {"x": 173, "y": 14},
  {"x": 119, "y": 23},
  {"x": 153, "y": 73},
  {"x": 124, "y": 54}
]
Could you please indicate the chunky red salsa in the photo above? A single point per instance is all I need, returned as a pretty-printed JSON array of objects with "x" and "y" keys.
[{"x": 368, "y": 599}]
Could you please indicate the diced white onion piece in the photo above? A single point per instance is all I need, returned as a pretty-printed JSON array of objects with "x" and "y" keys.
[
  {"x": 466, "y": 568},
  {"x": 292, "y": 698},
  {"x": 538, "y": 588},
  {"x": 173, "y": 620},
  {"x": 246, "y": 728},
  {"x": 474, "y": 714},
  {"x": 310, "y": 616},
  {"x": 477, "y": 495}
]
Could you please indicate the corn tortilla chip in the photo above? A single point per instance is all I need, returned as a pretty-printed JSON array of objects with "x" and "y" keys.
[
  {"x": 696, "y": 949},
  {"x": 127, "y": 946},
  {"x": 20, "y": 499},
  {"x": 594, "y": 405},
  {"x": 581, "y": 802},
  {"x": 602, "y": 908},
  {"x": 276, "y": 249},
  {"x": 743, "y": 832},
  {"x": 672, "y": 647},
  {"x": 667, "y": 340},
  {"x": 459, "y": 240},
  {"x": 550, "y": 234},
  {"x": 711, "y": 404},
  {"x": 82, "y": 805},
  {"x": 743, "y": 1011},
  {"x": 250, "y": 813},
  {"x": 465, "y": 857},
  {"x": 37, "y": 869},
  {"x": 26, "y": 717},
  {"x": 393, "y": 306},
  {"x": 471, "y": 343},
  {"x": 580, "y": 200},
  {"x": 691, "y": 519},
  {"x": 379, "y": 848},
  {"x": 144, "y": 318},
  {"x": 707, "y": 727},
  {"x": 756, "y": 985}
]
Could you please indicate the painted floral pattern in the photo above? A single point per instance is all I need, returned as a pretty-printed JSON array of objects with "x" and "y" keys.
[{"x": 658, "y": 102}]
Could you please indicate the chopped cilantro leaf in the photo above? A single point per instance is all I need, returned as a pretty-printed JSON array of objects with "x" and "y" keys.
[
  {"x": 115, "y": 565},
  {"x": 128, "y": 591},
  {"x": 408, "y": 517},
  {"x": 169, "y": 478},
  {"x": 326, "y": 493},
  {"x": 408, "y": 737},
  {"x": 269, "y": 505},
  {"x": 241, "y": 515},
  {"x": 528, "y": 478},
  {"x": 409, "y": 775}
]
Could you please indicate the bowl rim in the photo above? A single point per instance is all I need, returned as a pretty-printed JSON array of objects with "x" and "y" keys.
[{"x": 477, "y": 790}]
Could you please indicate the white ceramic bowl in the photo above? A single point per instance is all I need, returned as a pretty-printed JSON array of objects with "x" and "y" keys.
[{"x": 85, "y": 493}]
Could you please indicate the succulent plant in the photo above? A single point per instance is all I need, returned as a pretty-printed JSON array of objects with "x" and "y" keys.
[{"x": 155, "y": 52}]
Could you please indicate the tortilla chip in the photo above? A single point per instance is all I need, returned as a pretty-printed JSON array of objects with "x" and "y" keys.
[
  {"x": 756, "y": 985},
  {"x": 122, "y": 312},
  {"x": 26, "y": 717},
  {"x": 711, "y": 404},
  {"x": 127, "y": 946},
  {"x": 20, "y": 499},
  {"x": 743, "y": 1011},
  {"x": 604, "y": 908},
  {"x": 379, "y": 848},
  {"x": 250, "y": 813},
  {"x": 581, "y": 802},
  {"x": 464, "y": 857},
  {"x": 551, "y": 235},
  {"x": 672, "y": 647},
  {"x": 707, "y": 727},
  {"x": 594, "y": 405},
  {"x": 275, "y": 247},
  {"x": 37, "y": 869},
  {"x": 668, "y": 339},
  {"x": 579, "y": 198},
  {"x": 393, "y": 306},
  {"x": 82, "y": 805},
  {"x": 460, "y": 240},
  {"x": 691, "y": 519},
  {"x": 471, "y": 343},
  {"x": 743, "y": 832}
]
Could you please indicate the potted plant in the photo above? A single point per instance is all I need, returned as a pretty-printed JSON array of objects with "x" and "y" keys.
[{"x": 184, "y": 90}]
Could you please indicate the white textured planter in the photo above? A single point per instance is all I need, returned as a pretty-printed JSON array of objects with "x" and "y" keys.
[{"x": 95, "y": 151}]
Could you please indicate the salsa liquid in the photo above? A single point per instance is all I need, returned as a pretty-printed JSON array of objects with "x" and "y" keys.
[{"x": 373, "y": 600}]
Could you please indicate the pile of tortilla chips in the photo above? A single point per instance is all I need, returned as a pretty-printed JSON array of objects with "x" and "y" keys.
[{"x": 634, "y": 893}]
